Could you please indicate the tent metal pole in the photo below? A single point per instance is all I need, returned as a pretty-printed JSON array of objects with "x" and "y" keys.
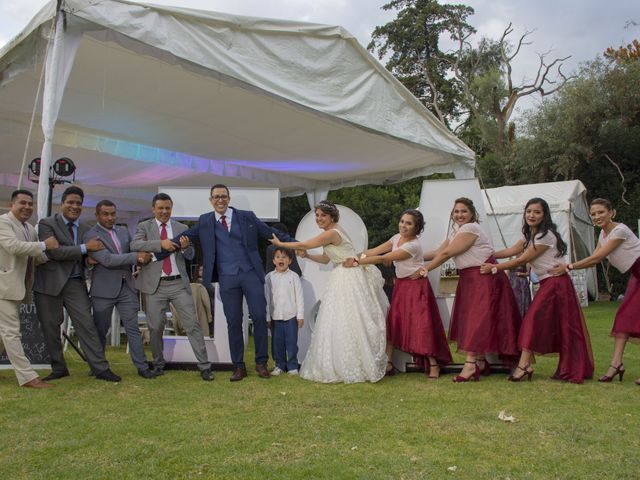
[{"x": 493, "y": 212}]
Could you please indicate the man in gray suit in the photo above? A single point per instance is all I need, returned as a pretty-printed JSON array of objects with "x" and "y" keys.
[
  {"x": 60, "y": 282},
  {"x": 165, "y": 281},
  {"x": 112, "y": 284}
]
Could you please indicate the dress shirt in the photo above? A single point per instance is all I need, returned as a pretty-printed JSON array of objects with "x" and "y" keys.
[
  {"x": 83, "y": 247},
  {"x": 283, "y": 291},
  {"x": 172, "y": 257},
  {"x": 227, "y": 216},
  {"x": 27, "y": 237},
  {"x": 113, "y": 235}
]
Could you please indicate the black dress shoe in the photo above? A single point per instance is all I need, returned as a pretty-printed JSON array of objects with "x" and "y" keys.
[
  {"x": 262, "y": 370},
  {"x": 206, "y": 375},
  {"x": 238, "y": 374},
  {"x": 56, "y": 375},
  {"x": 146, "y": 374},
  {"x": 108, "y": 376},
  {"x": 158, "y": 371}
]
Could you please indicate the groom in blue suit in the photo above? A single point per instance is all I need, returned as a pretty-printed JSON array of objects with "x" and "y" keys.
[{"x": 229, "y": 241}]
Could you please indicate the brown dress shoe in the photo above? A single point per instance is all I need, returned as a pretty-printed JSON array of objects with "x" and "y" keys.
[
  {"x": 37, "y": 383},
  {"x": 262, "y": 370},
  {"x": 238, "y": 374}
]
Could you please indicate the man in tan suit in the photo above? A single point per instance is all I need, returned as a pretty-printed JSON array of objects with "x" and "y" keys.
[{"x": 19, "y": 252}]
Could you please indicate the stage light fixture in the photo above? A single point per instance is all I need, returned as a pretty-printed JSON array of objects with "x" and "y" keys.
[
  {"x": 64, "y": 167},
  {"x": 34, "y": 166}
]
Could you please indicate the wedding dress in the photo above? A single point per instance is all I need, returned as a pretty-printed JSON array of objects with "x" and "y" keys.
[{"x": 349, "y": 337}]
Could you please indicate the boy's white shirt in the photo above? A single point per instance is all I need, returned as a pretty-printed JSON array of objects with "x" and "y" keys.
[{"x": 283, "y": 291}]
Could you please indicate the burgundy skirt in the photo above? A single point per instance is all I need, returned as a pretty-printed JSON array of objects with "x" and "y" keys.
[
  {"x": 554, "y": 324},
  {"x": 485, "y": 317},
  {"x": 414, "y": 324},
  {"x": 628, "y": 316}
]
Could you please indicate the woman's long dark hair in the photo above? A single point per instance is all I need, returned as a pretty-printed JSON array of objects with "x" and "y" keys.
[{"x": 546, "y": 225}]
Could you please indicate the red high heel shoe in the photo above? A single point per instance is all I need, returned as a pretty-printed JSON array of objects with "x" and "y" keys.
[
  {"x": 619, "y": 370},
  {"x": 475, "y": 376},
  {"x": 527, "y": 373},
  {"x": 486, "y": 370}
]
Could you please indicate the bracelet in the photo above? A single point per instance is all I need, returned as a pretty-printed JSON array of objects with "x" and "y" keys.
[
  {"x": 363, "y": 255},
  {"x": 569, "y": 266}
]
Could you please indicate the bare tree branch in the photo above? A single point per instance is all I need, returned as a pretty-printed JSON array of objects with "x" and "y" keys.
[
  {"x": 521, "y": 42},
  {"x": 624, "y": 189},
  {"x": 434, "y": 94}
]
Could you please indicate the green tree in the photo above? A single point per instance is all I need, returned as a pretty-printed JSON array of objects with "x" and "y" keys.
[
  {"x": 470, "y": 86},
  {"x": 486, "y": 75},
  {"x": 590, "y": 131},
  {"x": 412, "y": 43}
]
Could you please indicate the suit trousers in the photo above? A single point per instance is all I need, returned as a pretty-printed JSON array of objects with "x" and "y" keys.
[
  {"x": 75, "y": 299},
  {"x": 174, "y": 291},
  {"x": 232, "y": 290},
  {"x": 127, "y": 304},
  {"x": 11, "y": 338}
]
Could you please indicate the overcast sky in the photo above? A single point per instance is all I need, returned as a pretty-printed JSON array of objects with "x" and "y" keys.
[{"x": 580, "y": 28}]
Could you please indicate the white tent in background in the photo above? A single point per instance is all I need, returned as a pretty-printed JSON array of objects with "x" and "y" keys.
[
  {"x": 141, "y": 95},
  {"x": 569, "y": 210}
]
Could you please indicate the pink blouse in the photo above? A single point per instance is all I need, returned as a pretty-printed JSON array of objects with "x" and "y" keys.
[
  {"x": 478, "y": 253},
  {"x": 627, "y": 253},
  {"x": 404, "y": 268},
  {"x": 549, "y": 258}
]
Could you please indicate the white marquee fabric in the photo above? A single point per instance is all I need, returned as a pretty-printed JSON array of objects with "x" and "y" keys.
[
  {"x": 140, "y": 95},
  {"x": 569, "y": 210}
]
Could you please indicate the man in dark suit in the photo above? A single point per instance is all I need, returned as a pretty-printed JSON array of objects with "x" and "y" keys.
[
  {"x": 229, "y": 241},
  {"x": 166, "y": 280},
  {"x": 60, "y": 282},
  {"x": 112, "y": 284}
]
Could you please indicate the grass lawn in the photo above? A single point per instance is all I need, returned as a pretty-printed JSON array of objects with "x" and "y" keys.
[{"x": 404, "y": 427}]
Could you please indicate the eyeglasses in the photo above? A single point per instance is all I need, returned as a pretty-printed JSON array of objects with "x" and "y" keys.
[{"x": 220, "y": 197}]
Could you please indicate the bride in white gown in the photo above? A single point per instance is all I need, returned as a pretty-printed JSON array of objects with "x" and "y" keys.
[{"x": 349, "y": 339}]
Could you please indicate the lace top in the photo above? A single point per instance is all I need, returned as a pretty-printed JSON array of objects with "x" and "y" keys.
[{"x": 339, "y": 253}]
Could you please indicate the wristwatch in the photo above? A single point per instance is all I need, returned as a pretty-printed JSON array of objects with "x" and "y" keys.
[{"x": 494, "y": 270}]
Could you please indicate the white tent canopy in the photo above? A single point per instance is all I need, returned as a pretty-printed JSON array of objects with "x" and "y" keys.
[
  {"x": 140, "y": 95},
  {"x": 569, "y": 211}
]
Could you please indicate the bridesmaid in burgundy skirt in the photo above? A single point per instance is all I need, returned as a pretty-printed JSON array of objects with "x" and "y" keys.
[
  {"x": 485, "y": 318},
  {"x": 554, "y": 322},
  {"x": 620, "y": 245},
  {"x": 413, "y": 322}
]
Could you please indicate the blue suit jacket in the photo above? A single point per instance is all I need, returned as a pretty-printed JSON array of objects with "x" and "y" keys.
[{"x": 251, "y": 229}]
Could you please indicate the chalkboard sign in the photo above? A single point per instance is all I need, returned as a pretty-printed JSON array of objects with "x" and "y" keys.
[{"x": 32, "y": 339}]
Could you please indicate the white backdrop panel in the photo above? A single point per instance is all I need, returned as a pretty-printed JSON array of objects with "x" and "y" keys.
[{"x": 436, "y": 203}]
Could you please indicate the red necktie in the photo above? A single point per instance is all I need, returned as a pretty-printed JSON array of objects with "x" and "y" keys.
[
  {"x": 223, "y": 221},
  {"x": 166, "y": 263}
]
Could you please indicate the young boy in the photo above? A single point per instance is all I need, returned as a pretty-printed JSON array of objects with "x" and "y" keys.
[{"x": 285, "y": 312}]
